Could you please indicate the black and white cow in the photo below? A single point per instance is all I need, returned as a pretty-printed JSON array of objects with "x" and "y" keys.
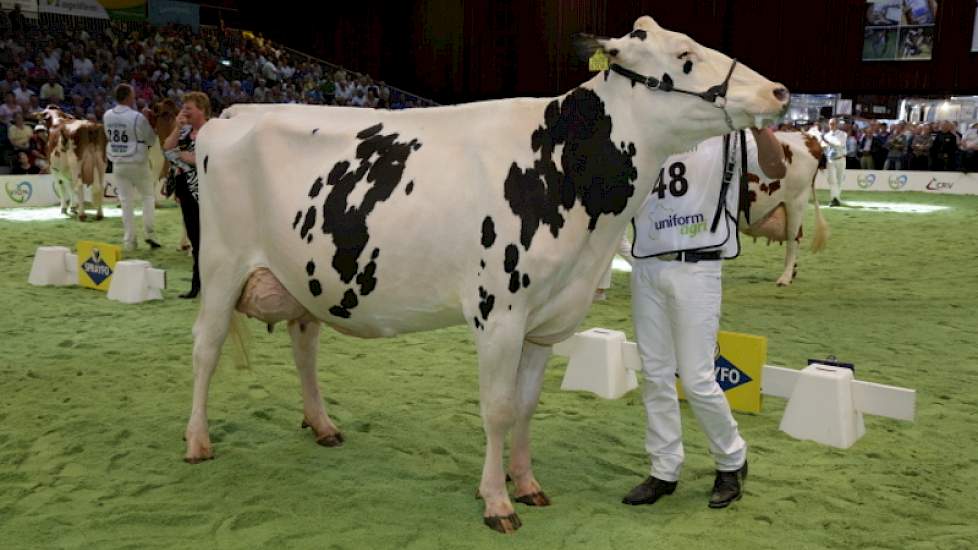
[{"x": 501, "y": 214}]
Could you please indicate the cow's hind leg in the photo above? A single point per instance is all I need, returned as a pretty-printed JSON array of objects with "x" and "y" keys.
[
  {"x": 305, "y": 345},
  {"x": 210, "y": 331},
  {"x": 500, "y": 345},
  {"x": 792, "y": 224},
  {"x": 533, "y": 362},
  {"x": 98, "y": 192}
]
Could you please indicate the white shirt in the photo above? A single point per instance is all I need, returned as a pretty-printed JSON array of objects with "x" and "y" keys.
[
  {"x": 679, "y": 213},
  {"x": 836, "y": 140},
  {"x": 129, "y": 135}
]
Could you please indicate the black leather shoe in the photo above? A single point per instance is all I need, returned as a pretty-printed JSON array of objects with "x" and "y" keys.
[
  {"x": 649, "y": 491},
  {"x": 153, "y": 244},
  {"x": 728, "y": 487},
  {"x": 191, "y": 294}
]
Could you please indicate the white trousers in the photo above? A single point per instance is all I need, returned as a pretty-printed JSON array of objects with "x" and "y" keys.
[
  {"x": 676, "y": 311},
  {"x": 837, "y": 176},
  {"x": 130, "y": 178}
]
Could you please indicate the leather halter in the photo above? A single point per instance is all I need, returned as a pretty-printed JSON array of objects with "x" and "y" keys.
[{"x": 717, "y": 95}]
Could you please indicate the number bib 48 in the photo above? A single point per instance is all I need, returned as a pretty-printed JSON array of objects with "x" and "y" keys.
[{"x": 678, "y": 214}]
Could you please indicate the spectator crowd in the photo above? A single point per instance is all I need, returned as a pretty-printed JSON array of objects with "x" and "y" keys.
[{"x": 78, "y": 68}]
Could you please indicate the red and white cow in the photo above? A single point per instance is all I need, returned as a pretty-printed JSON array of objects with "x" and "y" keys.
[
  {"x": 500, "y": 214},
  {"x": 77, "y": 152},
  {"x": 777, "y": 207}
]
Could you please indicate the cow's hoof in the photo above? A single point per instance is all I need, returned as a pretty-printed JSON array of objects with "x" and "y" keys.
[
  {"x": 197, "y": 459},
  {"x": 335, "y": 440},
  {"x": 503, "y": 524},
  {"x": 82, "y": 217},
  {"x": 534, "y": 499},
  {"x": 64, "y": 211},
  {"x": 327, "y": 440},
  {"x": 98, "y": 217}
]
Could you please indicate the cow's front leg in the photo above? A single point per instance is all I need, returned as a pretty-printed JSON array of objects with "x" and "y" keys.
[
  {"x": 533, "y": 362},
  {"x": 305, "y": 346},
  {"x": 63, "y": 193},
  {"x": 500, "y": 344}
]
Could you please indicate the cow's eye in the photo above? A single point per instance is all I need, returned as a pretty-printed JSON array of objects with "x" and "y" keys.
[{"x": 687, "y": 67}]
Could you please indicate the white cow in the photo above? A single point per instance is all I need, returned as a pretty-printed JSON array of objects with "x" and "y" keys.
[
  {"x": 76, "y": 149},
  {"x": 500, "y": 214},
  {"x": 777, "y": 207}
]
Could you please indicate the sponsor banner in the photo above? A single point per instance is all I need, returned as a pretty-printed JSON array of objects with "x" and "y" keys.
[
  {"x": 162, "y": 12},
  {"x": 21, "y": 191},
  {"x": 954, "y": 183},
  {"x": 78, "y": 8},
  {"x": 27, "y": 7},
  {"x": 126, "y": 10},
  {"x": 737, "y": 365},
  {"x": 96, "y": 263}
]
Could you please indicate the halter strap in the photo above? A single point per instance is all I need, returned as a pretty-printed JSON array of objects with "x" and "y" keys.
[{"x": 717, "y": 95}]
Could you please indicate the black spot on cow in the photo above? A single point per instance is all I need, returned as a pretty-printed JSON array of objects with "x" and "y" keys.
[
  {"x": 339, "y": 312},
  {"x": 310, "y": 268},
  {"x": 511, "y": 308},
  {"x": 526, "y": 280},
  {"x": 309, "y": 238},
  {"x": 315, "y": 288},
  {"x": 486, "y": 302},
  {"x": 381, "y": 162},
  {"x": 317, "y": 186},
  {"x": 593, "y": 170},
  {"x": 488, "y": 232},
  {"x": 349, "y": 299},
  {"x": 477, "y": 322},
  {"x": 205, "y": 163},
  {"x": 375, "y": 254},
  {"x": 514, "y": 281},
  {"x": 638, "y": 33},
  {"x": 409, "y": 188},
  {"x": 314, "y": 130},
  {"x": 298, "y": 217},
  {"x": 688, "y": 67},
  {"x": 367, "y": 280},
  {"x": 482, "y": 264},
  {"x": 369, "y": 132},
  {"x": 309, "y": 221},
  {"x": 511, "y": 259}
]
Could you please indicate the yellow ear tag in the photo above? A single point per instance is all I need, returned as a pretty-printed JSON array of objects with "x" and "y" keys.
[{"x": 598, "y": 62}]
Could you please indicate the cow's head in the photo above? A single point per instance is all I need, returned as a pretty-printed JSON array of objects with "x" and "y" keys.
[
  {"x": 52, "y": 115},
  {"x": 708, "y": 91}
]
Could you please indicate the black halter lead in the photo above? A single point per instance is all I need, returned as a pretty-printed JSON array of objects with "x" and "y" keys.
[{"x": 717, "y": 95}]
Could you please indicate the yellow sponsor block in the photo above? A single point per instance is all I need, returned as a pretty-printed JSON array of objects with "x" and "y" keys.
[
  {"x": 96, "y": 264},
  {"x": 739, "y": 362}
]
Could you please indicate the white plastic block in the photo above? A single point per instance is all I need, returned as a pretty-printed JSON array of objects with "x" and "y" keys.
[
  {"x": 53, "y": 265},
  {"x": 596, "y": 363},
  {"x": 821, "y": 408},
  {"x": 135, "y": 281},
  {"x": 778, "y": 381}
]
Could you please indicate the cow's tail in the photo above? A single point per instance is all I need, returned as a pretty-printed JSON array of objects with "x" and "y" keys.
[
  {"x": 240, "y": 341},
  {"x": 91, "y": 150},
  {"x": 821, "y": 226}
]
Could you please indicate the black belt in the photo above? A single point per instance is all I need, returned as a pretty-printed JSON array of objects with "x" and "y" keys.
[{"x": 692, "y": 256}]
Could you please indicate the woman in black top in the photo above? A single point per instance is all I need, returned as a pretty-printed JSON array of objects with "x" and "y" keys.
[{"x": 179, "y": 147}]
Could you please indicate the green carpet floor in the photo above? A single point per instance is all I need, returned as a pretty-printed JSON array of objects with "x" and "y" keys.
[{"x": 94, "y": 397}]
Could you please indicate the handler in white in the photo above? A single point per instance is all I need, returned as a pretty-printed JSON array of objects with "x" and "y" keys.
[
  {"x": 835, "y": 152},
  {"x": 129, "y": 137},
  {"x": 686, "y": 227}
]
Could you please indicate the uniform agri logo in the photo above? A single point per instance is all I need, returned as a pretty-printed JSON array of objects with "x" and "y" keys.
[
  {"x": 897, "y": 182},
  {"x": 20, "y": 192},
  {"x": 867, "y": 181},
  {"x": 96, "y": 268}
]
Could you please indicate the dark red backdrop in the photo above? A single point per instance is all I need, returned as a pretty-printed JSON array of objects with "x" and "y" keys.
[{"x": 454, "y": 50}]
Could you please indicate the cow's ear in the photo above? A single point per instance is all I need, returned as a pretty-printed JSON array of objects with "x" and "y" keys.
[
  {"x": 646, "y": 23},
  {"x": 586, "y": 44}
]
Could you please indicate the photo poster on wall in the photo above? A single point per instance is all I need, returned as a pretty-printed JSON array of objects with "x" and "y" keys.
[
  {"x": 974, "y": 35},
  {"x": 899, "y": 30}
]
